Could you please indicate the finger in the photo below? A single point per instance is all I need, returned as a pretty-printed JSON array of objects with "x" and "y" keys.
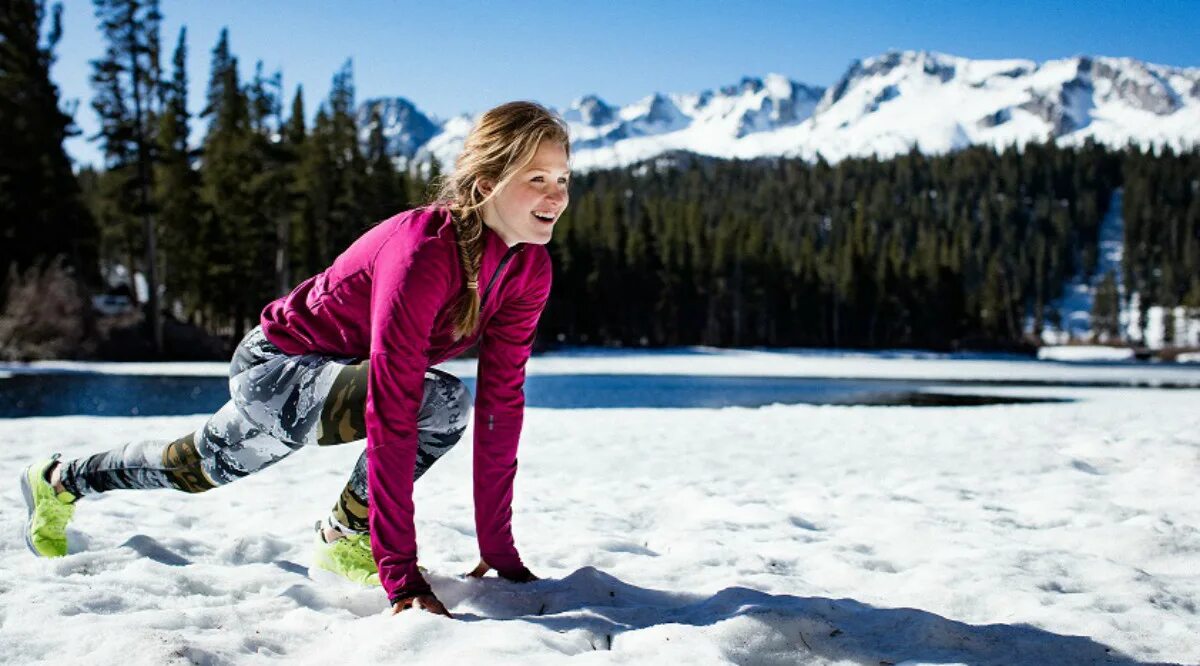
[
  {"x": 431, "y": 604},
  {"x": 437, "y": 607},
  {"x": 480, "y": 569}
]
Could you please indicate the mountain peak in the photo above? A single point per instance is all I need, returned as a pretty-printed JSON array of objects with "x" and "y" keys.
[
  {"x": 405, "y": 126},
  {"x": 886, "y": 104},
  {"x": 748, "y": 84},
  {"x": 589, "y": 110}
]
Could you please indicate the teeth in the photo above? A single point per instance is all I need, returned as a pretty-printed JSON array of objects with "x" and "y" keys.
[{"x": 544, "y": 216}]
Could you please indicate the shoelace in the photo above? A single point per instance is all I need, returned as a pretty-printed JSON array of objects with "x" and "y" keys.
[
  {"x": 356, "y": 551},
  {"x": 54, "y": 513}
]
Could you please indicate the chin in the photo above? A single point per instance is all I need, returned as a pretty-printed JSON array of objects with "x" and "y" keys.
[{"x": 539, "y": 238}]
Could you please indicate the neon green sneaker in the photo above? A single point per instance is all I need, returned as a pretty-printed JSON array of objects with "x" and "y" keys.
[
  {"x": 49, "y": 512},
  {"x": 348, "y": 557}
]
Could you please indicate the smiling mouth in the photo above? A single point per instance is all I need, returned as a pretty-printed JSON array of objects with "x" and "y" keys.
[{"x": 546, "y": 219}]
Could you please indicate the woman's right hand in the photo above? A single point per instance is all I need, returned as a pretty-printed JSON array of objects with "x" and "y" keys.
[{"x": 426, "y": 602}]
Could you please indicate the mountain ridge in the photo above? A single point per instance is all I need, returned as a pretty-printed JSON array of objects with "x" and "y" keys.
[{"x": 882, "y": 105}]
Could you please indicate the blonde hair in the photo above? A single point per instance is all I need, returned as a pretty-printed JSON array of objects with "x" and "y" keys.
[{"x": 502, "y": 142}]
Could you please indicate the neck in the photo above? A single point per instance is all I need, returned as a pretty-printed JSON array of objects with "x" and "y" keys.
[{"x": 490, "y": 221}]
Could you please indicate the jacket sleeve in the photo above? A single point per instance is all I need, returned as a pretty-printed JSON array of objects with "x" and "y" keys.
[
  {"x": 408, "y": 289},
  {"x": 504, "y": 348}
]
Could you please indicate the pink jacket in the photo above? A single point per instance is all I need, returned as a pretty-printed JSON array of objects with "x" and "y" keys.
[{"x": 388, "y": 297}]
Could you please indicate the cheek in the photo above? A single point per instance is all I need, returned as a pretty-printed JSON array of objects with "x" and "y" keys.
[{"x": 531, "y": 198}]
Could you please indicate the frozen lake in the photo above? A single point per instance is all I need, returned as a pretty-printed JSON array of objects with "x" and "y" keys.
[
  {"x": 1059, "y": 532},
  {"x": 104, "y": 394}
]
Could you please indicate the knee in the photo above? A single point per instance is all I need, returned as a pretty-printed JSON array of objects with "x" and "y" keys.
[
  {"x": 184, "y": 468},
  {"x": 462, "y": 402},
  {"x": 450, "y": 404}
]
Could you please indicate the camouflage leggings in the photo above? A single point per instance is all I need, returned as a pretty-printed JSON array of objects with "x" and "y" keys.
[{"x": 279, "y": 404}]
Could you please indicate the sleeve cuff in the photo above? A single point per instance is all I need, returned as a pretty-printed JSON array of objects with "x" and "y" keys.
[{"x": 409, "y": 594}]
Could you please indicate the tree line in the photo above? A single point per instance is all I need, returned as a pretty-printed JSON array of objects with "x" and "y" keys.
[{"x": 967, "y": 249}]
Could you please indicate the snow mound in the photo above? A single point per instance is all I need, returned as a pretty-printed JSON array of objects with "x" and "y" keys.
[{"x": 1085, "y": 353}]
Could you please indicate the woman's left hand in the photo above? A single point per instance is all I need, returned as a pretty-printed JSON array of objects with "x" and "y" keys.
[{"x": 525, "y": 576}]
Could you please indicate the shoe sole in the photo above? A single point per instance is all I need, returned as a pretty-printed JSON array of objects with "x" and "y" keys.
[
  {"x": 27, "y": 493},
  {"x": 326, "y": 577},
  {"x": 322, "y": 575}
]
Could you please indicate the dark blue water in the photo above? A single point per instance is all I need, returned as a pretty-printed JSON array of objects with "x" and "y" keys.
[{"x": 60, "y": 394}]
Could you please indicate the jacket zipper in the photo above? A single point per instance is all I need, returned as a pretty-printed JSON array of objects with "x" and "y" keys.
[{"x": 492, "y": 282}]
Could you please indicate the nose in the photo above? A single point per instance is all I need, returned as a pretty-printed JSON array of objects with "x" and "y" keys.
[{"x": 558, "y": 195}]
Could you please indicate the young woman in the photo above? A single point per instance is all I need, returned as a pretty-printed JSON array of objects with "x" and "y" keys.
[{"x": 347, "y": 355}]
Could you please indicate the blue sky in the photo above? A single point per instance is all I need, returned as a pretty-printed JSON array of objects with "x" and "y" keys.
[{"x": 454, "y": 56}]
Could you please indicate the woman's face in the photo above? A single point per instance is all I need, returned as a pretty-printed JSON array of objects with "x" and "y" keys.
[{"x": 537, "y": 191}]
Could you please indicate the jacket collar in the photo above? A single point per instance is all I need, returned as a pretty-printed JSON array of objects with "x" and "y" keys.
[{"x": 494, "y": 251}]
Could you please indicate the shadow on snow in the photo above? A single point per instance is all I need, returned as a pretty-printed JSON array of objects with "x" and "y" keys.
[
  {"x": 599, "y": 608},
  {"x": 604, "y": 607}
]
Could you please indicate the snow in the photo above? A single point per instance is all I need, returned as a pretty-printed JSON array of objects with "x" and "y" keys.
[
  {"x": 1018, "y": 534},
  {"x": 1188, "y": 357},
  {"x": 1075, "y": 304},
  {"x": 1184, "y": 323},
  {"x": 1086, "y": 353},
  {"x": 777, "y": 85}
]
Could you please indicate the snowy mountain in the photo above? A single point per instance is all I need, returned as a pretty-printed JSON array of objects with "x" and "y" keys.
[
  {"x": 936, "y": 103},
  {"x": 884, "y": 105},
  {"x": 405, "y": 128}
]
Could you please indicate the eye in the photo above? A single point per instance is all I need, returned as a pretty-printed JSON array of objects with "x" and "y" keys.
[
  {"x": 563, "y": 181},
  {"x": 537, "y": 179}
]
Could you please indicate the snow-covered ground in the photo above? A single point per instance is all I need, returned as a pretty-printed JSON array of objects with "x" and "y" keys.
[{"x": 1032, "y": 534}]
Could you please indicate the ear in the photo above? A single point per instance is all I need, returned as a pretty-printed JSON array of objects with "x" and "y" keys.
[{"x": 484, "y": 185}]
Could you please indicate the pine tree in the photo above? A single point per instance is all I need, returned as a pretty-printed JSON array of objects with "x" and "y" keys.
[
  {"x": 272, "y": 188},
  {"x": 315, "y": 178},
  {"x": 229, "y": 166},
  {"x": 126, "y": 79},
  {"x": 385, "y": 187},
  {"x": 177, "y": 193},
  {"x": 347, "y": 217},
  {"x": 41, "y": 210},
  {"x": 294, "y": 235},
  {"x": 1106, "y": 309}
]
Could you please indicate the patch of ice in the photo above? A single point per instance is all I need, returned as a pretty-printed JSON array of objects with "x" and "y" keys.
[{"x": 1086, "y": 353}]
